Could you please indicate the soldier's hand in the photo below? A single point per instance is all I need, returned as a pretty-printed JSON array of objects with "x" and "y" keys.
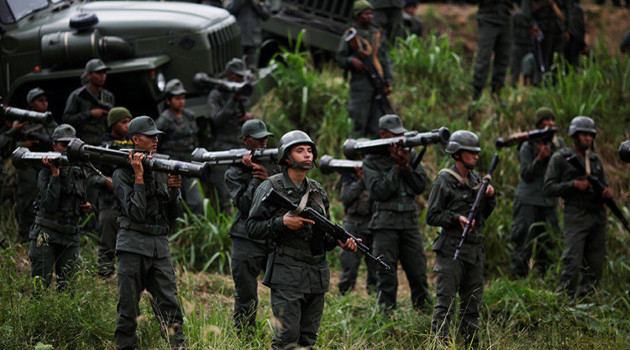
[
  {"x": 295, "y": 222},
  {"x": 489, "y": 191},
  {"x": 358, "y": 65},
  {"x": 463, "y": 221},
  {"x": 581, "y": 184},
  {"x": 350, "y": 245},
  {"x": 53, "y": 168},
  {"x": 400, "y": 155},
  {"x": 247, "y": 160},
  {"x": 259, "y": 171},
  {"x": 544, "y": 151},
  {"x": 135, "y": 159},
  {"x": 174, "y": 181},
  {"x": 247, "y": 116},
  {"x": 18, "y": 126},
  {"x": 109, "y": 183},
  {"x": 98, "y": 112},
  {"x": 607, "y": 193},
  {"x": 86, "y": 207}
]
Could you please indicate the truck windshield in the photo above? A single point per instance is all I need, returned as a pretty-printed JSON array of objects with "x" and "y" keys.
[{"x": 18, "y": 9}]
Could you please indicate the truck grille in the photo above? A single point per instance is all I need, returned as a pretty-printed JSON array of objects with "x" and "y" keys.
[{"x": 225, "y": 43}]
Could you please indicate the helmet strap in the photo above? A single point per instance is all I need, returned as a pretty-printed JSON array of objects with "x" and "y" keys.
[{"x": 299, "y": 165}]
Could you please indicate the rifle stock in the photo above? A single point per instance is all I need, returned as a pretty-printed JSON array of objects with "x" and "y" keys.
[
  {"x": 474, "y": 211},
  {"x": 276, "y": 198},
  {"x": 352, "y": 149}
]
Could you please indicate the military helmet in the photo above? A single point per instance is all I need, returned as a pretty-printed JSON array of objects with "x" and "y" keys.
[
  {"x": 359, "y": 6},
  {"x": 294, "y": 138},
  {"x": 64, "y": 132},
  {"x": 236, "y": 66},
  {"x": 582, "y": 124},
  {"x": 174, "y": 87},
  {"x": 463, "y": 140},
  {"x": 544, "y": 113},
  {"x": 116, "y": 114},
  {"x": 624, "y": 151},
  {"x": 143, "y": 125},
  {"x": 34, "y": 93}
]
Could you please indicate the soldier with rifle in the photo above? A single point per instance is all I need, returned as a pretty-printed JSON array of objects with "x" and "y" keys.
[
  {"x": 534, "y": 216},
  {"x": 451, "y": 200},
  {"x": 55, "y": 232},
  {"x": 394, "y": 177},
  {"x": 584, "y": 211},
  {"x": 228, "y": 112},
  {"x": 297, "y": 270},
  {"x": 150, "y": 203},
  {"x": 35, "y": 137},
  {"x": 361, "y": 54},
  {"x": 249, "y": 256},
  {"x": 87, "y": 107}
]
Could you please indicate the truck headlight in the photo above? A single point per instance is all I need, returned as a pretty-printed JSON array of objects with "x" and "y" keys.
[{"x": 161, "y": 81}]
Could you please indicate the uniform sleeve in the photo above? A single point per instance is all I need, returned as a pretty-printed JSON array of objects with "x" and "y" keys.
[
  {"x": 131, "y": 196},
  {"x": 241, "y": 191},
  {"x": 437, "y": 208},
  {"x": 72, "y": 114},
  {"x": 221, "y": 111},
  {"x": 531, "y": 168},
  {"x": 174, "y": 205},
  {"x": 554, "y": 186},
  {"x": 344, "y": 55},
  {"x": 415, "y": 178},
  {"x": 50, "y": 189},
  {"x": 351, "y": 190},
  {"x": 381, "y": 184},
  {"x": 262, "y": 223},
  {"x": 487, "y": 205}
]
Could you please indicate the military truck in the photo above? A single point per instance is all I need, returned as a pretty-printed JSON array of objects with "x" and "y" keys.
[{"x": 46, "y": 43}]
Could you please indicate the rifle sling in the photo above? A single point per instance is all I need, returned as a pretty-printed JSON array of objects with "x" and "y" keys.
[{"x": 461, "y": 179}]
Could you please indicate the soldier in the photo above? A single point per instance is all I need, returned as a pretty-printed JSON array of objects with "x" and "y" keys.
[
  {"x": 584, "y": 212},
  {"x": 553, "y": 19},
  {"x": 521, "y": 46},
  {"x": 532, "y": 210},
  {"x": 494, "y": 37},
  {"x": 450, "y": 201},
  {"x": 363, "y": 108},
  {"x": 358, "y": 208},
  {"x": 388, "y": 17},
  {"x": 179, "y": 138},
  {"x": 297, "y": 271},
  {"x": 150, "y": 202},
  {"x": 55, "y": 232},
  {"x": 249, "y": 14},
  {"x": 411, "y": 23},
  {"x": 249, "y": 256},
  {"x": 87, "y": 106},
  {"x": 118, "y": 120},
  {"x": 228, "y": 112},
  {"x": 394, "y": 179},
  {"x": 37, "y": 138}
]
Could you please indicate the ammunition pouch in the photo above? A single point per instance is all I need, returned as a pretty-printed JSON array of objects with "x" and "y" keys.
[
  {"x": 300, "y": 256},
  {"x": 50, "y": 223},
  {"x": 153, "y": 230}
]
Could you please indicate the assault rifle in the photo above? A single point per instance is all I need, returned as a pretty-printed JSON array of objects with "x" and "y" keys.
[
  {"x": 328, "y": 165},
  {"x": 203, "y": 80},
  {"x": 352, "y": 149},
  {"x": 234, "y": 156},
  {"x": 533, "y": 136},
  {"x": 321, "y": 222},
  {"x": 598, "y": 188},
  {"x": 380, "y": 87},
  {"x": 80, "y": 151},
  {"x": 22, "y": 158},
  {"x": 24, "y": 115},
  {"x": 474, "y": 211}
]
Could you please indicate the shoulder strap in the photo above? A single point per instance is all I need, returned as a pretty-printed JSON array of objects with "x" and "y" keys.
[{"x": 461, "y": 179}]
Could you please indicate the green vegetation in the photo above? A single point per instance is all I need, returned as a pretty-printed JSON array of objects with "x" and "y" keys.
[{"x": 431, "y": 90}]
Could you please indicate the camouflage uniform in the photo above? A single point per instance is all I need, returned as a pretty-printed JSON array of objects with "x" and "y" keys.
[
  {"x": 297, "y": 271},
  {"x": 494, "y": 37},
  {"x": 249, "y": 14},
  {"x": 531, "y": 210},
  {"x": 448, "y": 200},
  {"x": 358, "y": 207},
  {"x": 148, "y": 216},
  {"x": 395, "y": 226},
  {"x": 363, "y": 109},
  {"x": 178, "y": 141},
  {"x": 584, "y": 221}
]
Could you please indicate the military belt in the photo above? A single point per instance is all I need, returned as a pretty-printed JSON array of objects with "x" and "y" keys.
[
  {"x": 65, "y": 229},
  {"x": 399, "y": 207},
  {"x": 299, "y": 256},
  {"x": 153, "y": 230}
]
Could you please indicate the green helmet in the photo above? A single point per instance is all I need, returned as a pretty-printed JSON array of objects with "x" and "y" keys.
[
  {"x": 624, "y": 151},
  {"x": 294, "y": 138},
  {"x": 359, "y": 6},
  {"x": 582, "y": 124},
  {"x": 463, "y": 140}
]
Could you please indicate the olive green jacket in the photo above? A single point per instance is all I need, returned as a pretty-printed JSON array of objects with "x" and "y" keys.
[
  {"x": 224, "y": 115},
  {"x": 530, "y": 189},
  {"x": 77, "y": 113},
  {"x": 180, "y": 134},
  {"x": 394, "y": 191}
]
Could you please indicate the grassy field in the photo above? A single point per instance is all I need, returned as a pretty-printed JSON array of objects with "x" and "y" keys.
[{"x": 431, "y": 90}]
